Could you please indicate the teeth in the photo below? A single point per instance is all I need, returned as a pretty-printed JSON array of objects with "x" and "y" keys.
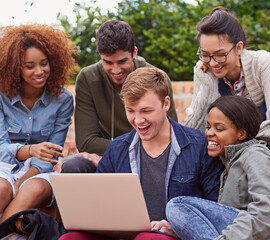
[
  {"x": 210, "y": 143},
  {"x": 216, "y": 69},
  {"x": 117, "y": 75},
  {"x": 143, "y": 127}
]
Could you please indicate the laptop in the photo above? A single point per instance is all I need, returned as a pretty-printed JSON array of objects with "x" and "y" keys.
[{"x": 110, "y": 204}]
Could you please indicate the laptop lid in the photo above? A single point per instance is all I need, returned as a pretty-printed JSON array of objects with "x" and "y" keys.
[{"x": 101, "y": 202}]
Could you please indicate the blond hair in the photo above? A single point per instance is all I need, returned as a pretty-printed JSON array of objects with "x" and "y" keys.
[{"x": 142, "y": 80}]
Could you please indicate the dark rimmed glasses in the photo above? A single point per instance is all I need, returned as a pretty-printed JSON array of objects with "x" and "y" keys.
[{"x": 220, "y": 58}]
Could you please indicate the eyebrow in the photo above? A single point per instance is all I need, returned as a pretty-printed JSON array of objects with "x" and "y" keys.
[
  {"x": 220, "y": 50},
  {"x": 43, "y": 60},
  {"x": 121, "y": 60}
]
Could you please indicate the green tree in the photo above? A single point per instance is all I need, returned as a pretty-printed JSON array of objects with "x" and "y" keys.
[
  {"x": 83, "y": 30},
  {"x": 165, "y": 30}
]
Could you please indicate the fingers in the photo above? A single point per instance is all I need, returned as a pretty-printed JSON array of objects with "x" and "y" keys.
[{"x": 45, "y": 151}]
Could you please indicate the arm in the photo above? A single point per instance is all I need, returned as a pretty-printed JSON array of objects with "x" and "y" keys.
[
  {"x": 58, "y": 136},
  {"x": 105, "y": 164},
  {"x": 88, "y": 137},
  {"x": 205, "y": 92},
  {"x": 211, "y": 169},
  {"x": 265, "y": 84},
  {"x": 254, "y": 222}
]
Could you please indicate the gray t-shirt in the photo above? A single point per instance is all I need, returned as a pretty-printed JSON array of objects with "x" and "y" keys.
[{"x": 153, "y": 173}]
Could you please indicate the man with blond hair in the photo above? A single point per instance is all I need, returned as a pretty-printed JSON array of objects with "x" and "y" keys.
[
  {"x": 170, "y": 159},
  {"x": 99, "y": 112}
]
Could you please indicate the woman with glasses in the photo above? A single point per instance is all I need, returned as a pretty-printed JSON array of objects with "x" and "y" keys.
[{"x": 227, "y": 68}]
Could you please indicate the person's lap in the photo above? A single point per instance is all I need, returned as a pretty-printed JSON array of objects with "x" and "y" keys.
[
  {"x": 91, "y": 236},
  {"x": 196, "y": 218}
]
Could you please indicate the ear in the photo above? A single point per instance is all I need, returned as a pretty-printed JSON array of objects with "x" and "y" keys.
[
  {"x": 167, "y": 103},
  {"x": 135, "y": 52},
  {"x": 242, "y": 134},
  {"x": 239, "y": 47}
]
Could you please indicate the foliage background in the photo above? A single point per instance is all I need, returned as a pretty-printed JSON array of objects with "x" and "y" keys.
[{"x": 165, "y": 30}]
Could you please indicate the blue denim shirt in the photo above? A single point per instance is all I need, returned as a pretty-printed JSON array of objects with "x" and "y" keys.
[
  {"x": 190, "y": 172},
  {"x": 48, "y": 121}
]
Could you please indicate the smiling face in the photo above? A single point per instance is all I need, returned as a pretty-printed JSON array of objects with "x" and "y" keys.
[
  {"x": 118, "y": 66},
  {"x": 36, "y": 69},
  {"x": 149, "y": 116},
  {"x": 221, "y": 132},
  {"x": 215, "y": 45}
]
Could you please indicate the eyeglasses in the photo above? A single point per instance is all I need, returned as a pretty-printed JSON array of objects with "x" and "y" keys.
[{"x": 220, "y": 58}]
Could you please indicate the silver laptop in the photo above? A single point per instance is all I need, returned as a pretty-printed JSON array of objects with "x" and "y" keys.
[{"x": 109, "y": 204}]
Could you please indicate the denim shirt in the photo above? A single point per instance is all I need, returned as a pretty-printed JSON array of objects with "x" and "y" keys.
[
  {"x": 48, "y": 121},
  {"x": 190, "y": 172}
]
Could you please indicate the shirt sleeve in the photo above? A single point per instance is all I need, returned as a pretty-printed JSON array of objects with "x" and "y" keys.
[
  {"x": 8, "y": 150},
  {"x": 63, "y": 120},
  {"x": 254, "y": 223},
  {"x": 210, "y": 175},
  {"x": 88, "y": 136},
  {"x": 205, "y": 92}
]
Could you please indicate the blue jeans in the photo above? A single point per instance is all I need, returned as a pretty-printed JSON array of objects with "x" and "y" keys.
[{"x": 194, "y": 218}]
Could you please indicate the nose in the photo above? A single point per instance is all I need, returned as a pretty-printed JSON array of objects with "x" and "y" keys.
[
  {"x": 212, "y": 62},
  {"x": 138, "y": 119},
  {"x": 116, "y": 69},
  {"x": 39, "y": 70},
  {"x": 209, "y": 132}
]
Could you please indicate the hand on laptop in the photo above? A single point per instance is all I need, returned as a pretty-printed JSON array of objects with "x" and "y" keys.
[
  {"x": 163, "y": 226},
  {"x": 92, "y": 157}
]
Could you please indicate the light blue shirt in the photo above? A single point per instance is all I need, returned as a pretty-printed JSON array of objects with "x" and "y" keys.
[{"x": 48, "y": 121}]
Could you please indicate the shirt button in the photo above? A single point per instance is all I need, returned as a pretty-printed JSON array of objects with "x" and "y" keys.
[
  {"x": 30, "y": 118},
  {"x": 9, "y": 128},
  {"x": 182, "y": 179},
  {"x": 28, "y": 134},
  {"x": 221, "y": 190},
  {"x": 170, "y": 165}
]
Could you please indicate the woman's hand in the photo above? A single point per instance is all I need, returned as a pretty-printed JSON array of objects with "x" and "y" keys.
[
  {"x": 203, "y": 66},
  {"x": 44, "y": 151},
  {"x": 163, "y": 226}
]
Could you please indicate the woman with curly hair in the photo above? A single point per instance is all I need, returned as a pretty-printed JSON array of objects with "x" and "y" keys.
[{"x": 35, "y": 112}]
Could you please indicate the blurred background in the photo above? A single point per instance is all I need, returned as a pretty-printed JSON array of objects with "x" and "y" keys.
[{"x": 165, "y": 30}]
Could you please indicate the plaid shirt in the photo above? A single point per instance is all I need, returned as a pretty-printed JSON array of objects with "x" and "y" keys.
[{"x": 239, "y": 87}]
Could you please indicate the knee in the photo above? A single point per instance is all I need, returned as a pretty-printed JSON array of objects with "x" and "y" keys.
[
  {"x": 176, "y": 207},
  {"x": 5, "y": 188},
  {"x": 35, "y": 189},
  {"x": 78, "y": 164}
]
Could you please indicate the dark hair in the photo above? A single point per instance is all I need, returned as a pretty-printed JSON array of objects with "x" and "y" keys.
[
  {"x": 242, "y": 112},
  {"x": 221, "y": 22},
  {"x": 115, "y": 35},
  {"x": 54, "y": 43}
]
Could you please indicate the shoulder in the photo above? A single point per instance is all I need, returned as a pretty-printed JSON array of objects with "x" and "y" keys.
[
  {"x": 65, "y": 95},
  {"x": 186, "y": 135},
  {"x": 257, "y": 58},
  {"x": 254, "y": 149},
  {"x": 122, "y": 140},
  {"x": 92, "y": 72}
]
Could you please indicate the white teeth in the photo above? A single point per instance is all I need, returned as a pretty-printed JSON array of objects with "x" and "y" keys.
[
  {"x": 143, "y": 127},
  {"x": 210, "y": 143},
  {"x": 117, "y": 75},
  {"x": 216, "y": 69}
]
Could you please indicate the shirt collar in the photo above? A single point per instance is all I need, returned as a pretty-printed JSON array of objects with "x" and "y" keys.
[{"x": 44, "y": 99}]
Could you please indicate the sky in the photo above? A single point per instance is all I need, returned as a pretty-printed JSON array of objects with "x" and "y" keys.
[{"x": 15, "y": 12}]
